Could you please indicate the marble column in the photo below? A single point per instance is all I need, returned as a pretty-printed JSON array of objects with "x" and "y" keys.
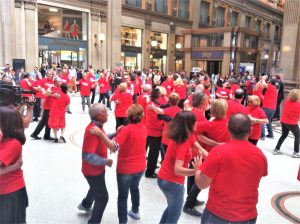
[{"x": 95, "y": 47}]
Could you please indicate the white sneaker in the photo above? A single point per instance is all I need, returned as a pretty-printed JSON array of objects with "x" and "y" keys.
[
  {"x": 84, "y": 209},
  {"x": 277, "y": 152},
  {"x": 295, "y": 155},
  {"x": 134, "y": 215}
]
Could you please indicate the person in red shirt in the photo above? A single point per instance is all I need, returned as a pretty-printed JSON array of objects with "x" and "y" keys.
[
  {"x": 289, "y": 121},
  {"x": 123, "y": 100},
  {"x": 175, "y": 165},
  {"x": 235, "y": 105},
  {"x": 131, "y": 140},
  {"x": 233, "y": 87},
  {"x": 94, "y": 160},
  {"x": 13, "y": 195},
  {"x": 180, "y": 87},
  {"x": 104, "y": 88},
  {"x": 144, "y": 99},
  {"x": 37, "y": 82},
  {"x": 236, "y": 166},
  {"x": 223, "y": 92},
  {"x": 258, "y": 117},
  {"x": 92, "y": 78},
  {"x": 57, "y": 111},
  {"x": 168, "y": 84},
  {"x": 85, "y": 88},
  {"x": 269, "y": 104}
]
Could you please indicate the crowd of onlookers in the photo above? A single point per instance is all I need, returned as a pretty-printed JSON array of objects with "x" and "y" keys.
[{"x": 204, "y": 127}]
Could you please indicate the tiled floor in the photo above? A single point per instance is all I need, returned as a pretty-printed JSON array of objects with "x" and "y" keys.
[{"x": 55, "y": 184}]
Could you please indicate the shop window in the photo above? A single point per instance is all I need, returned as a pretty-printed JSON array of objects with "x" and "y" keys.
[
  {"x": 220, "y": 17},
  {"x": 204, "y": 13},
  {"x": 179, "y": 42},
  {"x": 208, "y": 40},
  {"x": 267, "y": 30},
  {"x": 234, "y": 19},
  {"x": 277, "y": 34},
  {"x": 250, "y": 41},
  {"x": 257, "y": 26},
  {"x": 131, "y": 37},
  {"x": 247, "y": 22},
  {"x": 62, "y": 23},
  {"x": 136, "y": 3},
  {"x": 183, "y": 9},
  {"x": 159, "y": 40},
  {"x": 160, "y": 6}
]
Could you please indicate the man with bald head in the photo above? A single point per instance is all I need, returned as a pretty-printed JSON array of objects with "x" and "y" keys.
[
  {"x": 233, "y": 172},
  {"x": 235, "y": 105}
]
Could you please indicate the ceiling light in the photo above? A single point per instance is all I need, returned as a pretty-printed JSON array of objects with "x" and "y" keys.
[{"x": 53, "y": 9}]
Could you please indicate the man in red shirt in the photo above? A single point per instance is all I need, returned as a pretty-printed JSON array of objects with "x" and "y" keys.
[
  {"x": 94, "y": 160},
  {"x": 235, "y": 105},
  {"x": 233, "y": 172}
]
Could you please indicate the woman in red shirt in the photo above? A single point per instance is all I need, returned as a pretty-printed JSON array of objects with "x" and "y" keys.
[
  {"x": 289, "y": 121},
  {"x": 85, "y": 88},
  {"x": 180, "y": 87},
  {"x": 175, "y": 165},
  {"x": 258, "y": 117},
  {"x": 13, "y": 195}
]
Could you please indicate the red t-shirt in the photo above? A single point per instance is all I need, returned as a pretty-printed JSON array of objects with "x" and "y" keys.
[
  {"x": 142, "y": 100},
  {"x": 235, "y": 107},
  {"x": 45, "y": 84},
  {"x": 85, "y": 87},
  {"x": 217, "y": 130},
  {"x": 65, "y": 78},
  {"x": 102, "y": 84},
  {"x": 59, "y": 105},
  {"x": 124, "y": 102},
  {"x": 92, "y": 144},
  {"x": 181, "y": 90},
  {"x": 259, "y": 94},
  {"x": 132, "y": 152},
  {"x": 154, "y": 126},
  {"x": 92, "y": 79},
  {"x": 37, "y": 83},
  {"x": 171, "y": 112},
  {"x": 258, "y": 113},
  {"x": 49, "y": 99},
  {"x": 175, "y": 152},
  {"x": 235, "y": 169},
  {"x": 270, "y": 97},
  {"x": 168, "y": 86},
  {"x": 290, "y": 112},
  {"x": 223, "y": 92},
  {"x": 24, "y": 85},
  {"x": 233, "y": 88},
  {"x": 10, "y": 152}
]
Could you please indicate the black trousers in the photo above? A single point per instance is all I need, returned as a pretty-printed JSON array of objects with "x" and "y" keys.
[
  {"x": 37, "y": 108},
  {"x": 192, "y": 191},
  {"x": 97, "y": 194},
  {"x": 43, "y": 123},
  {"x": 154, "y": 148},
  {"x": 121, "y": 121},
  {"x": 254, "y": 142},
  {"x": 277, "y": 111},
  {"x": 101, "y": 99},
  {"x": 286, "y": 128},
  {"x": 13, "y": 207},
  {"x": 93, "y": 91}
]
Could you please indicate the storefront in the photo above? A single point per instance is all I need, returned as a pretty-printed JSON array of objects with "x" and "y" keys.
[
  {"x": 158, "y": 53},
  {"x": 131, "y": 48},
  {"x": 179, "y": 54},
  {"x": 210, "y": 61},
  {"x": 63, "y": 35},
  {"x": 248, "y": 62}
]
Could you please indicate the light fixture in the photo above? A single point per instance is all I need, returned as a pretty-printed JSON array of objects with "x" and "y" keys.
[
  {"x": 154, "y": 43},
  {"x": 53, "y": 9},
  {"x": 178, "y": 45},
  {"x": 266, "y": 56},
  {"x": 99, "y": 38}
]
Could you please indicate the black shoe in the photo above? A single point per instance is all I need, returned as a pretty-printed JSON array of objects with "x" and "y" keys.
[
  {"x": 69, "y": 112},
  {"x": 35, "y": 137},
  {"x": 192, "y": 211},
  {"x": 49, "y": 138},
  {"x": 270, "y": 136},
  {"x": 56, "y": 140},
  {"x": 199, "y": 203},
  {"x": 35, "y": 119},
  {"x": 62, "y": 139},
  {"x": 154, "y": 175}
]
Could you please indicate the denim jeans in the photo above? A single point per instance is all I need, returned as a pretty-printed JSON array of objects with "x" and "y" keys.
[
  {"x": 128, "y": 182},
  {"x": 270, "y": 114},
  {"x": 97, "y": 194},
  {"x": 174, "y": 194},
  {"x": 210, "y": 218},
  {"x": 286, "y": 128},
  {"x": 13, "y": 207}
]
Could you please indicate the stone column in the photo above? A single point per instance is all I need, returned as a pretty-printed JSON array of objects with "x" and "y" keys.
[
  {"x": 31, "y": 34},
  {"x": 187, "y": 53},
  {"x": 103, "y": 24},
  {"x": 20, "y": 29},
  {"x": 271, "y": 49},
  {"x": 195, "y": 13},
  {"x": 171, "y": 50},
  {"x": 146, "y": 45},
  {"x": 114, "y": 33},
  {"x": 95, "y": 59},
  {"x": 7, "y": 32}
]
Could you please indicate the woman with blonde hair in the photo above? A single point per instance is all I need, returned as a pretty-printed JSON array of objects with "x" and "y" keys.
[
  {"x": 289, "y": 121},
  {"x": 258, "y": 117},
  {"x": 180, "y": 87}
]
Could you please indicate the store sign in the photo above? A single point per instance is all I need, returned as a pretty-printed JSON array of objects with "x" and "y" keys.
[
  {"x": 62, "y": 43},
  {"x": 206, "y": 55},
  {"x": 131, "y": 49}
]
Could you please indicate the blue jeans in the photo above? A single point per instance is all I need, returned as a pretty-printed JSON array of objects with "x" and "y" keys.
[
  {"x": 174, "y": 194},
  {"x": 210, "y": 218},
  {"x": 128, "y": 182},
  {"x": 270, "y": 114}
]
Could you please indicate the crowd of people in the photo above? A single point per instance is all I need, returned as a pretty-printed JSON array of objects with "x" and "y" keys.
[{"x": 202, "y": 128}]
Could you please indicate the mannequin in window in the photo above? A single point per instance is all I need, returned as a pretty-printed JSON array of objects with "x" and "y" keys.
[
  {"x": 67, "y": 27},
  {"x": 74, "y": 30}
]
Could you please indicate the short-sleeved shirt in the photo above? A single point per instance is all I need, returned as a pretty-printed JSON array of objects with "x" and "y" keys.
[
  {"x": 235, "y": 169},
  {"x": 175, "y": 152},
  {"x": 92, "y": 144},
  {"x": 270, "y": 97},
  {"x": 235, "y": 107},
  {"x": 10, "y": 152},
  {"x": 290, "y": 112},
  {"x": 132, "y": 152},
  {"x": 171, "y": 112},
  {"x": 154, "y": 126},
  {"x": 258, "y": 113},
  {"x": 85, "y": 87},
  {"x": 223, "y": 91},
  {"x": 124, "y": 102}
]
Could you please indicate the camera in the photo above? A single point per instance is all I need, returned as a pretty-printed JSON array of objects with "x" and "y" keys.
[{"x": 10, "y": 94}]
